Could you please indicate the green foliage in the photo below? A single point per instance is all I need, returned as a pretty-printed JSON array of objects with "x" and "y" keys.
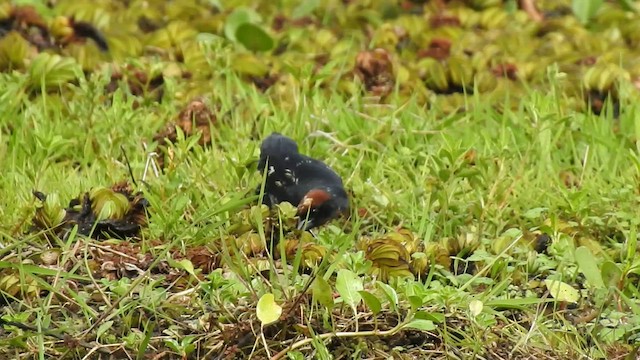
[
  {"x": 586, "y": 9},
  {"x": 487, "y": 188}
]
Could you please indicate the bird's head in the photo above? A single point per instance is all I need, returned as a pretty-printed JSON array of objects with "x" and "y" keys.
[{"x": 320, "y": 205}]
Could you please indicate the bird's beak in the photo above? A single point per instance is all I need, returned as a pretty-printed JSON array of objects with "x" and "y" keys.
[{"x": 304, "y": 224}]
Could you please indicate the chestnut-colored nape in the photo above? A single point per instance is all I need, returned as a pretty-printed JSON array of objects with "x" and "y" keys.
[{"x": 313, "y": 198}]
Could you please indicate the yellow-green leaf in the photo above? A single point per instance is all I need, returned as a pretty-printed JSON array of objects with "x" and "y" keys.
[
  {"x": 562, "y": 291},
  {"x": 475, "y": 306},
  {"x": 268, "y": 311}
]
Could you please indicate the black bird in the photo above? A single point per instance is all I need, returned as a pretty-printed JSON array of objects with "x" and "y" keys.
[{"x": 302, "y": 181}]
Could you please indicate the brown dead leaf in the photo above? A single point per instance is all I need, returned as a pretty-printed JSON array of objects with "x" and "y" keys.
[
  {"x": 195, "y": 118},
  {"x": 507, "y": 70},
  {"x": 438, "y": 49},
  {"x": 375, "y": 69},
  {"x": 440, "y": 20},
  {"x": 124, "y": 259},
  {"x": 202, "y": 258}
]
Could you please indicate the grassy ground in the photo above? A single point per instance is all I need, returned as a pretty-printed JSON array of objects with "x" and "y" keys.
[{"x": 491, "y": 226}]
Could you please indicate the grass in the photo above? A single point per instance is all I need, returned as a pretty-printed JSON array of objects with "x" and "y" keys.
[
  {"x": 405, "y": 165},
  {"x": 475, "y": 187}
]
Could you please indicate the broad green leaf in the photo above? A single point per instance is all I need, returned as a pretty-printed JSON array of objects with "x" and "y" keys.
[
  {"x": 390, "y": 293},
  {"x": 476, "y": 306},
  {"x": 321, "y": 291},
  {"x": 611, "y": 273},
  {"x": 371, "y": 301},
  {"x": 416, "y": 302},
  {"x": 253, "y": 37},
  {"x": 173, "y": 344},
  {"x": 268, "y": 311},
  {"x": 562, "y": 291},
  {"x": 148, "y": 331},
  {"x": 184, "y": 264},
  {"x": 421, "y": 324},
  {"x": 435, "y": 317},
  {"x": 584, "y": 10},
  {"x": 305, "y": 8},
  {"x": 238, "y": 17},
  {"x": 348, "y": 284},
  {"x": 588, "y": 265},
  {"x": 632, "y": 243},
  {"x": 103, "y": 328},
  {"x": 534, "y": 213}
]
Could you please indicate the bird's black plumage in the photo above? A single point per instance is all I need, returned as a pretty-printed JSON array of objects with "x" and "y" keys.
[
  {"x": 87, "y": 30},
  {"x": 294, "y": 178}
]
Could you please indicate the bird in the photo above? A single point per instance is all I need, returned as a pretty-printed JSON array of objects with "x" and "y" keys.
[{"x": 305, "y": 182}]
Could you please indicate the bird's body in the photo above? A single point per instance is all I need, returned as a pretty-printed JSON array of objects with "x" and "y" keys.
[{"x": 300, "y": 180}]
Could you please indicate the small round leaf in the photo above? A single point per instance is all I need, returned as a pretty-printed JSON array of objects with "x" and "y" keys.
[
  {"x": 475, "y": 306},
  {"x": 254, "y": 37},
  {"x": 268, "y": 311}
]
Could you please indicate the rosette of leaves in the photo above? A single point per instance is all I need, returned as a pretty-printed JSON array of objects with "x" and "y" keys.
[
  {"x": 390, "y": 37},
  {"x": 13, "y": 285},
  {"x": 250, "y": 244},
  {"x": 311, "y": 253},
  {"x": 51, "y": 71},
  {"x": 438, "y": 254},
  {"x": 452, "y": 75},
  {"x": 419, "y": 264},
  {"x": 461, "y": 247},
  {"x": 99, "y": 213},
  {"x": 390, "y": 255},
  {"x": 50, "y": 213},
  {"x": 600, "y": 86},
  {"x": 172, "y": 35},
  {"x": 250, "y": 220},
  {"x": 260, "y": 70},
  {"x": 15, "y": 51}
]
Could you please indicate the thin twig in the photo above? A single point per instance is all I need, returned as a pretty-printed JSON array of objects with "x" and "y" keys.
[
  {"x": 150, "y": 161},
  {"x": 126, "y": 159}
]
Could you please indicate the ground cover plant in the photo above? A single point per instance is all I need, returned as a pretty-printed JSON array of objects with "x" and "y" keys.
[{"x": 489, "y": 148}]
